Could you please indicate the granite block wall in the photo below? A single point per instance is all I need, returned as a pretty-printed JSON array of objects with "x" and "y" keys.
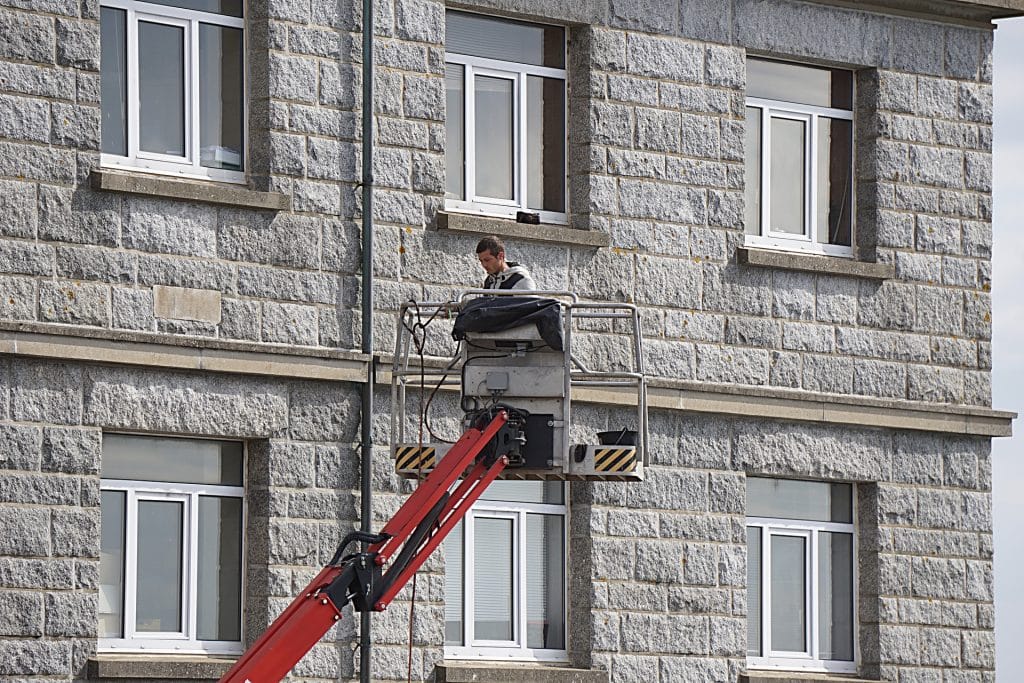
[{"x": 656, "y": 122}]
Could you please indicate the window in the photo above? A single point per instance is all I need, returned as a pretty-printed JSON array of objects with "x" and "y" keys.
[
  {"x": 172, "y": 84},
  {"x": 505, "y": 575},
  {"x": 171, "y": 545},
  {"x": 799, "y": 159},
  {"x": 800, "y": 575},
  {"x": 505, "y": 84}
]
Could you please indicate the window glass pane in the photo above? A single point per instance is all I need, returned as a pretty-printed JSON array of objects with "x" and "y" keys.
[
  {"x": 835, "y": 181},
  {"x": 221, "y": 79},
  {"x": 545, "y": 578},
  {"x": 793, "y": 499},
  {"x": 161, "y": 88},
  {"x": 545, "y": 143},
  {"x": 512, "y": 41},
  {"x": 752, "y": 171},
  {"x": 232, "y": 8},
  {"x": 158, "y": 573},
  {"x": 788, "y": 176},
  {"x": 113, "y": 82},
  {"x": 550, "y": 492},
  {"x": 789, "y": 593},
  {"x": 149, "y": 458},
  {"x": 835, "y": 597},
  {"x": 111, "y": 598},
  {"x": 495, "y": 137},
  {"x": 800, "y": 83},
  {"x": 492, "y": 573},
  {"x": 454, "y": 585},
  {"x": 754, "y": 591},
  {"x": 219, "y": 581},
  {"x": 455, "y": 131}
]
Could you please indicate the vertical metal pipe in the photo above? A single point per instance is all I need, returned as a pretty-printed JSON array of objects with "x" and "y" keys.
[{"x": 366, "y": 450}]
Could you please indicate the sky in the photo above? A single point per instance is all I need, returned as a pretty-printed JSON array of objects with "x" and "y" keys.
[{"x": 1007, "y": 349}]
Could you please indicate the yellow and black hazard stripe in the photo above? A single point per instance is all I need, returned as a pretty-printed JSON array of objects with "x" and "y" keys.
[
  {"x": 616, "y": 459},
  {"x": 414, "y": 458}
]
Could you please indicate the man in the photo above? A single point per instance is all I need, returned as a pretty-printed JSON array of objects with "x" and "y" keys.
[{"x": 501, "y": 274}]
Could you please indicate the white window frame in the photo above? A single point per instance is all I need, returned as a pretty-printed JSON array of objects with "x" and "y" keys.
[
  {"x": 183, "y": 641},
  {"x": 515, "y": 649},
  {"x": 189, "y": 165},
  {"x": 516, "y": 72},
  {"x": 808, "y": 241},
  {"x": 808, "y": 660}
]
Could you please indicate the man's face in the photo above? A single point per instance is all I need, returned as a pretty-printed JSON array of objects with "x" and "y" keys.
[{"x": 491, "y": 263}]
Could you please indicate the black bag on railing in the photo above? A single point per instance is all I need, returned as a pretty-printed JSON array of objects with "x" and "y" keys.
[{"x": 497, "y": 313}]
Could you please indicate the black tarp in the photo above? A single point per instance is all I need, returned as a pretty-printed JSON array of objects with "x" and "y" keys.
[{"x": 497, "y": 313}]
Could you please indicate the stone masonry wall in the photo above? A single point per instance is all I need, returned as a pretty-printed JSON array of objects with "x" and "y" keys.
[
  {"x": 665, "y": 599},
  {"x": 656, "y": 130},
  {"x": 301, "y": 495}
]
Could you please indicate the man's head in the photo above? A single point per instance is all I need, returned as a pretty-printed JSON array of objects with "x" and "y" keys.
[{"x": 491, "y": 252}]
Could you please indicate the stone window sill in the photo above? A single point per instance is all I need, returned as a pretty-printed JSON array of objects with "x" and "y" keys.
[
  {"x": 503, "y": 227},
  {"x": 797, "y": 677},
  {"x": 158, "y": 667},
  {"x": 810, "y": 263},
  {"x": 473, "y": 672},
  {"x": 188, "y": 190}
]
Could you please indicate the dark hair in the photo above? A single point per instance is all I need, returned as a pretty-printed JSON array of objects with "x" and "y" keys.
[{"x": 491, "y": 244}]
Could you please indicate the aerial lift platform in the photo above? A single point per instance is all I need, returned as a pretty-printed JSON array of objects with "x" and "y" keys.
[{"x": 516, "y": 372}]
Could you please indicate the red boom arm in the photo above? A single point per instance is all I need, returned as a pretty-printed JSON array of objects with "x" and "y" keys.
[{"x": 366, "y": 579}]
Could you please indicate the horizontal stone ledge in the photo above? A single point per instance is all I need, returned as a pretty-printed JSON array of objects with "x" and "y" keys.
[
  {"x": 810, "y": 263},
  {"x": 511, "y": 673},
  {"x": 165, "y": 351},
  {"x": 152, "y": 667},
  {"x": 797, "y": 677},
  {"x": 503, "y": 227},
  {"x": 208, "y": 192}
]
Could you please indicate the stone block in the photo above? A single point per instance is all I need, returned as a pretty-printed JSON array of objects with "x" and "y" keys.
[
  {"x": 732, "y": 365},
  {"x": 25, "y": 118},
  {"x": 899, "y": 644},
  {"x": 668, "y": 282},
  {"x": 808, "y": 337},
  {"x": 636, "y": 90},
  {"x": 662, "y": 562},
  {"x": 182, "y": 303},
  {"x": 975, "y": 102},
  {"x": 26, "y": 258},
  {"x": 784, "y": 449},
  {"x": 94, "y": 263},
  {"x": 613, "y": 559},
  {"x": 695, "y": 669},
  {"x": 30, "y": 37},
  {"x": 669, "y": 359},
  {"x": 46, "y": 164},
  {"x": 875, "y": 378},
  {"x": 18, "y": 206},
  {"x": 288, "y": 285},
  {"x": 71, "y": 615},
  {"x": 708, "y": 244},
  {"x": 737, "y": 289},
  {"x": 132, "y": 309},
  {"x": 937, "y": 385},
  {"x": 836, "y": 299},
  {"x": 662, "y": 57},
  {"x": 292, "y": 78},
  {"x": 46, "y": 392},
  {"x": 611, "y": 124},
  {"x": 786, "y": 370},
  {"x": 938, "y": 578},
  {"x": 320, "y": 412},
  {"x": 895, "y": 346},
  {"x": 74, "y": 303},
  {"x": 978, "y": 648},
  {"x": 939, "y": 310},
  {"x": 21, "y": 614},
  {"x": 37, "y": 574},
  {"x": 424, "y": 98},
  {"x": 162, "y": 226},
  {"x": 889, "y": 305},
  {"x": 181, "y": 403},
  {"x": 644, "y": 15},
  {"x": 669, "y": 489},
  {"x": 695, "y": 326},
  {"x": 76, "y": 533},
  {"x": 701, "y": 137},
  {"x": 71, "y": 451},
  {"x": 19, "y": 448},
  {"x": 657, "y": 130},
  {"x": 822, "y": 32},
  {"x": 34, "y": 658}
]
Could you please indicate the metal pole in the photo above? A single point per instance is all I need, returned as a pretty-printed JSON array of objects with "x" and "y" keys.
[{"x": 366, "y": 450}]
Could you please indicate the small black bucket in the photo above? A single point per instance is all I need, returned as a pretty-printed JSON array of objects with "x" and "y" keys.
[{"x": 620, "y": 437}]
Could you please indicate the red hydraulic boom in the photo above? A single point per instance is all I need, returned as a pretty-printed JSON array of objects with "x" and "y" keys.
[{"x": 367, "y": 579}]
